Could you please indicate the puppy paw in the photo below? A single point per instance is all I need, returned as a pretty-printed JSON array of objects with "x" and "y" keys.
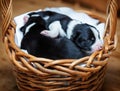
[{"x": 48, "y": 33}]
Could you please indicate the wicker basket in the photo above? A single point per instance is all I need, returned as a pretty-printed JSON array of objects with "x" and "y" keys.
[{"x": 40, "y": 74}]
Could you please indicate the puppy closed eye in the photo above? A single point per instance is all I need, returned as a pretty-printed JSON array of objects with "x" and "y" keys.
[
  {"x": 87, "y": 42},
  {"x": 92, "y": 39}
]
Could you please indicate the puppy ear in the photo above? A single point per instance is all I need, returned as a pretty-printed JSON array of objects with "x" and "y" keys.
[{"x": 25, "y": 18}]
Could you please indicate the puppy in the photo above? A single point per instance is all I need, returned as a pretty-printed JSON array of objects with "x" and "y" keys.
[
  {"x": 43, "y": 46},
  {"x": 53, "y": 21},
  {"x": 85, "y": 36}
]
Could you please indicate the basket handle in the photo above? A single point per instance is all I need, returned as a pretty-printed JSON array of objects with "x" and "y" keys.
[
  {"x": 111, "y": 21},
  {"x": 7, "y": 21}
]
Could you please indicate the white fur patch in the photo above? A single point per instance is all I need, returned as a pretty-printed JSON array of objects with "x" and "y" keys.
[
  {"x": 35, "y": 15},
  {"x": 56, "y": 29},
  {"x": 28, "y": 28}
]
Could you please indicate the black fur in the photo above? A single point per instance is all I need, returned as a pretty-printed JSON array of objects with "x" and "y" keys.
[{"x": 43, "y": 46}]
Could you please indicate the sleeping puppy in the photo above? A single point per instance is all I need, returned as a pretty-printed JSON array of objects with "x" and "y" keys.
[
  {"x": 85, "y": 36},
  {"x": 43, "y": 46}
]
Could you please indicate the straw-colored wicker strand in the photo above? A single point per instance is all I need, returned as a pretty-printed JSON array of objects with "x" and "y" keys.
[
  {"x": 6, "y": 15},
  {"x": 112, "y": 18}
]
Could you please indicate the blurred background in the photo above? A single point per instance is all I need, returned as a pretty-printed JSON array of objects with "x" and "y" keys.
[{"x": 112, "y": 78}]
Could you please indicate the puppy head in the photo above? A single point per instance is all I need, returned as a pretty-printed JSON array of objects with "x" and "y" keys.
[{"x": 87, "y": 38}]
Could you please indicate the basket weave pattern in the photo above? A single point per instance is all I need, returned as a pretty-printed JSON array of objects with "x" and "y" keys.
[{"x": 40, "y": 74}]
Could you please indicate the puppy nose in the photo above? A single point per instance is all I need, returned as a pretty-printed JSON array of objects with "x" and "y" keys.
[{"x": 100, "y": 47}]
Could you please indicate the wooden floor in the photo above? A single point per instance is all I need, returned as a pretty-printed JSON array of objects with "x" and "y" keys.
[{"x": 7, "y": 80}]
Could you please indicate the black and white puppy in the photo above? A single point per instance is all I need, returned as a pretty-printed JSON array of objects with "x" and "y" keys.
[
  {"x": 85, "y": 36},
  {"x": 52, "y": 22},
  {"x": 47, "y": 47}
]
